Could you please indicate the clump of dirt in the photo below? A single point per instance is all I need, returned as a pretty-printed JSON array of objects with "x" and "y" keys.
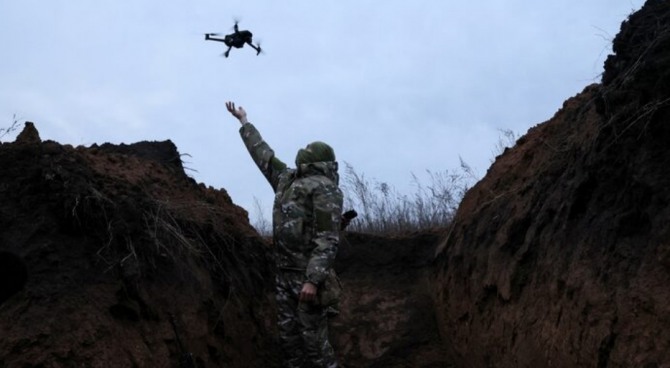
[
  {"x": 560, "y": 255},
  {"x": 103, "y": 249}
]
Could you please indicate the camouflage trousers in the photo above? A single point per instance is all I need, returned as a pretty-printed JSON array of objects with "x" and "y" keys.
[{"x": 303, "y": 327}]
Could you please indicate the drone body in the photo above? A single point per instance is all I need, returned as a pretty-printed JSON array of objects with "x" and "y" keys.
[{"x": 236, "y": 39}]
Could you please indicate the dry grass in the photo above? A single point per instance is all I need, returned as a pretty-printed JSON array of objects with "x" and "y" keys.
[
  {"x": 11, "y": 128},
  {"x": 384, "y": 210}
]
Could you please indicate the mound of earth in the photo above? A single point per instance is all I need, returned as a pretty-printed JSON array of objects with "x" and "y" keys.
[
  {"x": 560, "y": 256},
  {"x": 112, "y": 256}
]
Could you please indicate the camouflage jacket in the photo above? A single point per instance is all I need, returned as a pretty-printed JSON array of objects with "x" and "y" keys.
[{"x": 307, "y": 209}]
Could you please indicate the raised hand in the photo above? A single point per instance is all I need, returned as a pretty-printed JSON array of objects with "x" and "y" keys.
[{"x": 239, "y": 113}]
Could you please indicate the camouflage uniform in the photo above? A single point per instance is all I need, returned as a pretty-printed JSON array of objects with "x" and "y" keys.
[{"x": 306, "y": 219}]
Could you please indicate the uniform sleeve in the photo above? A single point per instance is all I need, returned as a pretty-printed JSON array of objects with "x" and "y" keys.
[
  {"x": 327, "y": 204},
  {"x": 262, "y": 154}
]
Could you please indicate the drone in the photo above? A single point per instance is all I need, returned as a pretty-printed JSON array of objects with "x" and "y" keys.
[{"x": 236, "y": 39}]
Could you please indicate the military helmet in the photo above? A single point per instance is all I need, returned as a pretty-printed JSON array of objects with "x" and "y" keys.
[{"x": 315, "y": 152}]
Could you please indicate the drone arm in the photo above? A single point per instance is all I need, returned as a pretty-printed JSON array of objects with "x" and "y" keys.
[
  {"x": 257, "y": 48},
  {"x": 227, "y": 51},
  {"x": 210, "y": 38}
]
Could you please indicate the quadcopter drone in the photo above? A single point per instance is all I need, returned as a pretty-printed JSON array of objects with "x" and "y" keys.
[{"x": 236, "y": 39}]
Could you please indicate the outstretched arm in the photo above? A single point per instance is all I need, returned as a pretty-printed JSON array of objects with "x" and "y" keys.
[{"x": 260, "y": 151}]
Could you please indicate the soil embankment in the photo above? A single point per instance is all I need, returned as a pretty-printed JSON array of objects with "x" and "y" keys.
[
  {"x": 560, "y": 256},
  {"x": 101, "y": 246}
]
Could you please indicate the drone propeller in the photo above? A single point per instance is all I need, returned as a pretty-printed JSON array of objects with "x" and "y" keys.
[
  {"x": 237, "y": 22},
  {"x": 213, "y": 34}
]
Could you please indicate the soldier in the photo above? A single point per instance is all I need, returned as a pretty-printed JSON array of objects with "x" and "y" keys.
[{"x": 306, "y": 222}]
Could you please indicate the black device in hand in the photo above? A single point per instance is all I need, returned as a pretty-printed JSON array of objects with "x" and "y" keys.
[{"x": 346, "y": 218}]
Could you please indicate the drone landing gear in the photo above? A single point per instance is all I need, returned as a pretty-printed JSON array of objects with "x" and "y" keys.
[{"x": 225, "y": 54}]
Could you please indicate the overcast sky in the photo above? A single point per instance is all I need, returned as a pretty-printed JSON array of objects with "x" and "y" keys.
[{"x": 396, "y": 87}]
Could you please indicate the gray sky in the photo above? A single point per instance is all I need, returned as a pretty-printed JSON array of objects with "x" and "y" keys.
[{"x": 396, "y": 87}]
